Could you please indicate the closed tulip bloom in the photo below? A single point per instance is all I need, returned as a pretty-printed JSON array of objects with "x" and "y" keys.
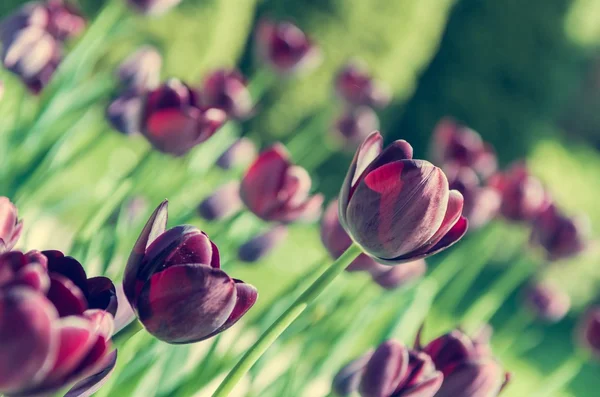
[
  {"x": 175, "y": 285},
  {"x": 276, "y": 190},
  {"x": 285, "y": 47},
  {"x": 226, "y": 89},
  {"x": 153, "y": 7},
  {"x": 396, "y": 208},
  {"x": 239, "y": 155},
  {"x": 548, "y": 302},
  {"x": 355, "y": 85},
  {"x": 140, "y": 72},
  {"x": 590, "y": 331},
  {"x": 559, "y": 235},
  {"x": 173, "y": 122},
  {"x": 224, "y": 202},
  {"x": 263, "y": 244},
  {"x": 10, "y": 225},
  {"x": 354, "y": 125}
]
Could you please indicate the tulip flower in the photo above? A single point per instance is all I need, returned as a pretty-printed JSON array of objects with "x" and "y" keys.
[
  {"x": 561, "y": 236},
  {"x": 263, "y": 244},
  {"x": 239, "y": 155},
  {"x": 396, "y": 208},
  {"x": 222, "y": 203},
  {"x": 10, "y": 225},
  {"x": 590, "y": 331},
  {"x": 455, "y": 143},
  {"x": 357, "y": 87},
  {"x": 226, "y": 89},
  {"x": 64, "y": 20},
  {"x": 354, "y": 125},
  {"x": 140, "y": 72},
  {"x": 55, "y": 325},
  {"x": 347, "y": 380},
  {"x": 548, "y": 302},
  {"x": 275, "y": 190},
  {"x": 284, "y": 47},
  {"x": 174, "y": 283},
  {"x": 173, "y": 122},
  {"x": 153, "y": 7},
  {"x": 124, "y": 113},
  {"x": 398, "y": 276},
  {"x": 467, "y": 364}
]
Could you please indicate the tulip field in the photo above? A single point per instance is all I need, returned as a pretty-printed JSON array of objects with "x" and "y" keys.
[{"x": 299, "y": 199}]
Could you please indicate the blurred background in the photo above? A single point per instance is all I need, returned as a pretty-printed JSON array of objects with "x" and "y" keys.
[{"x": 525, "y": 75}]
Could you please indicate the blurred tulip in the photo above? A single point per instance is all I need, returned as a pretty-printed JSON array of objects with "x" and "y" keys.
[
  {"x": 174, "y": 283},
  {"x": 548, "y": 302},
  {"x": 263, "y": 244},
  {"x": 459, "y": 144},
  {"x": 124, "y": 113},
  {"x": 354, "y": 125},
  {"x": 523, "y": 195},
  {"x": 590, "y": 331},
  {"x": 468, "y": 366},
  {"x": 64, "y": 20},
  {"x": 560, "y": 236},
  {"x": 140, "y": 72},
  {"x": 239, "y": 155},
  {"x": 284, "y": 47},
  {"x": 10, "y": 225},
  {"x": 226, "y": 89},
  {"x": 224, "y": 202},
  {"x": 355, "y": 85},
  {"x": 30, "y": 269},
  {"x": 153, "y": 7},
  {"x": 398, "y": 276},
  {"x": 346, "y": 381},
  {"x": 1, "y": 90},
  {"x": 275, "y": 190},
  {"x": 398, "y": 209},
  {"x": 174, "y": 123},
  {"x": 30, "y": 14}
]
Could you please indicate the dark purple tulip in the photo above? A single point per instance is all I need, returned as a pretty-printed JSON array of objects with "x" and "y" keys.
[
  {"x": 285, "y": 47},
  {"x": 355, "y": 85},
  {"x": 561, "y": 236},
  {"x": 64, "y": 20},
  {"x": 354, "y": 125},
  {"x": 523, "y": 195},
  {"x": 263, "y": 244},
  {"x": 468, "y": 366},
  {"x": 239, "y": 155},
  {"x": 153, "y": 7},
  {"x": 396, "y": 208},
  {"x": 10, "y": 225},
  {"x": 590, "y": 331},
  {"x": 28, "y": 270},
  {"x": 140, "y": 72},
  {"x": 459, "y": 144},
  {"x": 226, "y": 89},
  {"x": 347, "y": 380},
  {"x": 173, "y": 122},
  {"x": 223, "y": 203},
  {"x": 276, "y": 190},
  {"x": 174, "y": 283},
  {"x": 481, "y": 203},
  {"x": 548, "y": 302},
  {"x": 124, "y": 113}
]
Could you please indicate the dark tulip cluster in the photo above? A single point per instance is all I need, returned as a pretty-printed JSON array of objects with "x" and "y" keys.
[
  {"x": 176, "y": 287},
  {"x": 548, "y": 302},
  {"x": 55, "y": 325},
  {"x": 32, "y": 40},
  {"x": 153, "y": 7},
  {"x": 355, "y": 85},
  {"x": 10, "y": 225},
  {"x": 396, "y": 208},
  {"x": 226, "y": 89}
]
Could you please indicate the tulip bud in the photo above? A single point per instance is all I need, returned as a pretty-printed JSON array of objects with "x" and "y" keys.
[
  {"x": 174, "y": 123},
  {"x": 239, "y": 155},
  {"x": 560, "y": 236},
  {"x": 590, "y": 331},
  {"x": 355, "y": 85},
  {"x": 275, "y": 190},
  {"x": 459, "y": 144},
  {"x": 124, "y": 113},
  {"x": 223, "y": 203},
  {"x": 174, "y": 283},
  {"x": 347, "y": 380},
  {"x": 226, "y": 90},
  {"x": 153, "y": 7},
  {"x": 548, "y": 302},
  {"x": 398, "y": 209},
  {"x": 140, "y": 72},
  {"x": 523, "y": 195},
  {"x": 10, "y": 225},
  {"x": 285, "y": 47},
  {"x": 354, "y": 125},
  {"x": 260, "y": 246}
]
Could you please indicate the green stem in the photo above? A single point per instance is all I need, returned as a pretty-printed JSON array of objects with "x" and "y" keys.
[
  {"x": 285, "y": 320},
  {"x": 560, "y": 377},
  {"x": 261, "y": 83},
  {"x": 513, "y": 329}
]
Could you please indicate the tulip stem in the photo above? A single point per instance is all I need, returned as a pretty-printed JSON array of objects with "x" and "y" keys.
[
  {"x": 285, "y": 320},
  {"x": 560, "y": 377}
]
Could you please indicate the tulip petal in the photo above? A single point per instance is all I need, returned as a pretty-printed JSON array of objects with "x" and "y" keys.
[
  {"x": 427, "y": 388},
  {"x": 68, "y": 267},
  {"x": 450, "y": 348},
  {"x": 102, "y": 294},
  {"x": 125, "y": 313},
  {"x": 473, "y": 379},
  {"x": 33, "y": 275},
  {"x": 309, "y": 211},
  {"x": 184, "y": 303},
  {"x": 66, "y": 296},
  {"x": 397, "y": 150},
  {"x": 384, "y": 371},
  {"x": 92, "y": 384},
  {"x": 347, "y": 380},
  {"x": 102, "y": 322},
  {"x": 453, "y": 214}
]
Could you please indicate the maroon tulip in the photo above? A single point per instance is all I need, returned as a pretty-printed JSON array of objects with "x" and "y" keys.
[
  {"x": 560, "y": 236},
  {"x": 347, "y": 380},
  {"x": 64, "y": 20},
  {"x": 124, "y": 113},
  {"x": 153, "y": 7},
  {"x": 239, "y": 155},
  {"x": 354, "y": 125},
  {"x": 275, "y": 190},
  {"x": 140, "y": 72},
  {"x": 590, "y": 331},
  {"x": 226, "y": 89},
  {"x": 548, "y": 302},
  {"x": 223, "y": 203},
  {"x": 467, "y": 364},
  {"x": 55, "y": 325},
  {"x": 263, "y": 244},
  {"x": 10, "y": 225},
  {"x": 398, "y": 209},
  {"x": 355, "y": 85},
  {"x": 173, "y": 122},
  {"x": 174, "y": 283},
  {"x": 459, "y": 144},
  {"x": 285, "y": 47}
]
